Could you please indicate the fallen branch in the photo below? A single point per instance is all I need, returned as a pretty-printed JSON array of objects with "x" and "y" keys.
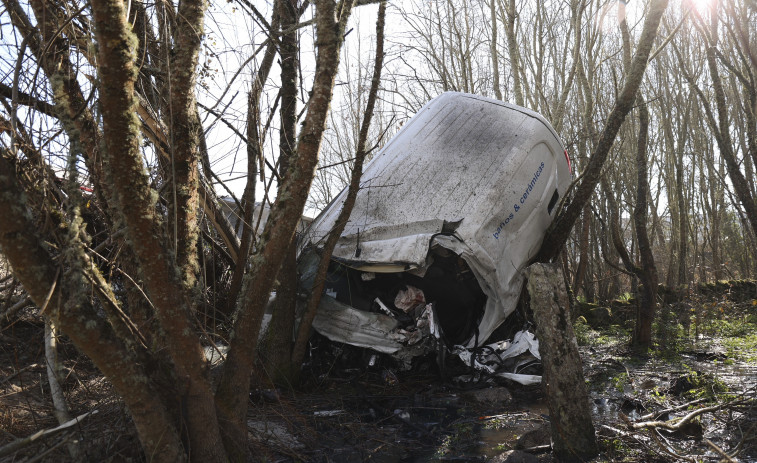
[
  {"x": 667, "y": 448},
  {"x": 616, "y": 431},
  {"x": 649, "y": 416},
  {"x": 12, "y": 310},
  {"x": 667, "y": 425},
  {"x": 634, "y": 436},
  {"x": 18, "y": 444},
  {"x": 13, "y": 375},
  {"x": 538, "y": 449}
]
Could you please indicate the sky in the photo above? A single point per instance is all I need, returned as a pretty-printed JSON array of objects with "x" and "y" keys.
[{"x": 232, "y": 37}]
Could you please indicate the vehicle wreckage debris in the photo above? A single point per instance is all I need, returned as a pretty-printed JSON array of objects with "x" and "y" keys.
[{"x": 408, "y": 316}]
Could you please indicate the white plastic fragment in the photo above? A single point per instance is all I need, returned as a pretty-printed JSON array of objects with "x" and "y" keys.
[
  {"x": 328, "y": 412},
  {"x": 383, "y": 306},
  {"x": 523, "y": 342}
]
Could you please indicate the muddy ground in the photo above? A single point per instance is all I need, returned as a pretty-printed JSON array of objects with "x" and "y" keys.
[{"x": 351, "y": 409}]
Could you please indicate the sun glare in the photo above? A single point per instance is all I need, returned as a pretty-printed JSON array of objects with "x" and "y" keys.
[{"x": 701, "y": 6}]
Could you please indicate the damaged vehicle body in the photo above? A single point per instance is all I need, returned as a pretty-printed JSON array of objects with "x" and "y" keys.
[{"x": 448, "y": 215}]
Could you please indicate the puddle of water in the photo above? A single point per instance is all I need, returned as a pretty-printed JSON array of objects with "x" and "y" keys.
[
  {"x": 440, "y": 427},
  {"x": 497, "y": 438},
  {"x": 469, "y": 438},
  {"x": 736, "y": 375}
]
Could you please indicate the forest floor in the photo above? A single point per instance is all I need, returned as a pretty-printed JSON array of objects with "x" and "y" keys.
[{"x": 349, "y": 411}]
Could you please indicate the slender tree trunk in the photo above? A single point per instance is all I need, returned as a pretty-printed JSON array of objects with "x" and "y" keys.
[
  {"x": 583, "y": 249},
  {"x": 682, "y": 241},
  {"x": 60, "y": 408},
  {"x": 493, "y": 46},
  {"x": 185, "y": 133},
  {"x": 278, "y": 341},
  {"x": 642, "y": 337},
  {"x": 316, "y": 292},
  {"x": 616, "y": 235},
  {"x": 234, "y": 385},
  {"x": 512, "y": 50},
  {"x": 558, "y": 114},
  {"x": 647, "y": 273},
  {"x": 254, "y": 162},
  {"x": 717, "y": 200},
  {"x": 561, "y": 227}
]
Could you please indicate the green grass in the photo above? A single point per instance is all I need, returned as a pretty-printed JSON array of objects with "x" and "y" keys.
[{"x": 742, "y": 347}]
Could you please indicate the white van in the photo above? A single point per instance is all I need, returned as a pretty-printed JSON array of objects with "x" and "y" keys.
[{"x": 448, "y": 215}]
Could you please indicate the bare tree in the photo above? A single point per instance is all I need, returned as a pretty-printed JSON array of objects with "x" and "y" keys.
[
  {"x": 563, "y": 224},
  {"x": 154, "y": 213}
]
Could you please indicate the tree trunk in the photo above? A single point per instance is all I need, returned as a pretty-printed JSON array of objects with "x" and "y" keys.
[
  {"x": 276, "y": 348},
  {"x": 493, "y": 46},
  {"x": 278, "y": 340},
  {"x": 583, "y": 249},
  {"x": 303, "y": 332},
  {"x": 254, "y": 162},
  {"x": 573, "y": 437},
  {"x": 512, "y": 49},
  {"x": 561, "y": 227},
  {"x": 136, "y": 203},
  {"x": 642, "y": 337},
  {"x": 185, "y": 132},
  {"x": 647, "y": 273},
  {"x": 234, "y": 385}
]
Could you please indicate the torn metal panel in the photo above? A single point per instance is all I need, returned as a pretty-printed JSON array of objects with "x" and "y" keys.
[
  {"x": 340, "y": 322},
  {"x": 476, "y": 177}
]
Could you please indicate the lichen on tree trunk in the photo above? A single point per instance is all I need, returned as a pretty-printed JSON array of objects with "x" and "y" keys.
[{"x": 567, "y": 397}]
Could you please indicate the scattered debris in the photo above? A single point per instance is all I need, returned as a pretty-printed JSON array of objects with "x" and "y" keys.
[
  {"x": 514, "y": 456},
  {"x": 273, "y": 434},
  {"x": 506, "y": 359},
  {"x": 328, "y": 412}
]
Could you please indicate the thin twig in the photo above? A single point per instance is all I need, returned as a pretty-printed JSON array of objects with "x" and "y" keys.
[
  {"x": 8, "y": 314},
  {"x": 50, "y": 293},
  {"x": 719, "y": 451},
  {"x": 10, "y": 377}
]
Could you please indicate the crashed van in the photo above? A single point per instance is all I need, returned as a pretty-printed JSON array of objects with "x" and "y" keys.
[{"x": 448, "y": 215}]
